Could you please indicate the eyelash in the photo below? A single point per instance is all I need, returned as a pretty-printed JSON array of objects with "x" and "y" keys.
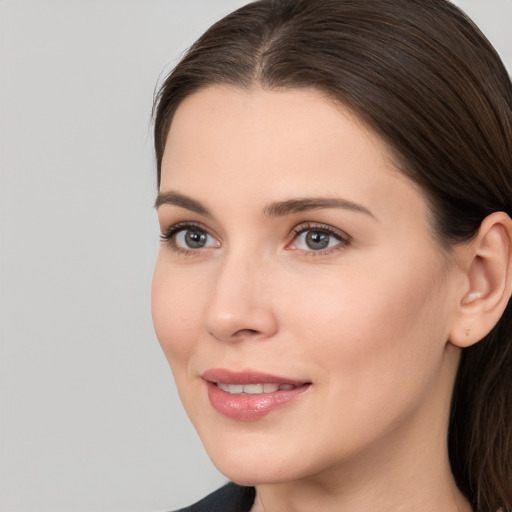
[
  {"x": 343, "y": 239},
  {"x": 168, "y": 237}
]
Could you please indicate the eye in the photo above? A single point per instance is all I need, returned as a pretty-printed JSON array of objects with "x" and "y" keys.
[
  {"x": 188, "y": 238},
  {"x": 193, "y": 238},
  {"x": 318, "y": 239}
]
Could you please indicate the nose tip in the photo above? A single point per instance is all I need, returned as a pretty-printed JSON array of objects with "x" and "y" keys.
[
  {"x": 250, "y": 323},
  {"x": 240, "y": 307}
]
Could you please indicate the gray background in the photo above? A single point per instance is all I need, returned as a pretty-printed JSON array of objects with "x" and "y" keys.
[{"x": 89, "y": 418}]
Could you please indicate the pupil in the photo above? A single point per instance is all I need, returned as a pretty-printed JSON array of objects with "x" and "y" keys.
[
  {"x": 195, "y": 239},
  {"x": 316, "y": 240}
]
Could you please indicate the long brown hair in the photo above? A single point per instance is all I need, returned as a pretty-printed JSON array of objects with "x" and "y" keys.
[{"x": 423, "y": 76}]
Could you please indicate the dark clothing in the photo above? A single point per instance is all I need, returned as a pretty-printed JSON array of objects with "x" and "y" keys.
[{"x": 230, "y": 498}]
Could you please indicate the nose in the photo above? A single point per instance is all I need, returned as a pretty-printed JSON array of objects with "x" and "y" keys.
[{"x": 240, "y": 306}]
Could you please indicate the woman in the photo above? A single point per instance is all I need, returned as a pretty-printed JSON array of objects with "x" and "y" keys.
[{"x": 332, "y": 290}]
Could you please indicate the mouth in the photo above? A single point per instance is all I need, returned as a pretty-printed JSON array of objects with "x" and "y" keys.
[
  {"x": 253, "y": 389},
  {"x": 250, "y": 395}
]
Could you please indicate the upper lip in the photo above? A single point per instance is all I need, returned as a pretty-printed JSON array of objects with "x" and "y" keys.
[{"x": 247, "y": 377}]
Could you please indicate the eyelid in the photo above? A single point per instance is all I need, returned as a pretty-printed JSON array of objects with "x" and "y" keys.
[
  {"x": 167, "y": 236},
  {"x": 343, "y": 238}
]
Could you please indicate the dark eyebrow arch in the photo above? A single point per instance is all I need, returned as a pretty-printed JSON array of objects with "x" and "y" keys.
[
  {"x": 177, "y": 199},
  {"x": 291, "y": 206}
]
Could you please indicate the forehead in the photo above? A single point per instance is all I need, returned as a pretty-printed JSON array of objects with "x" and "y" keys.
[
  {"x": 271, "y": 144},
  {"x": 260, "y": 125}
]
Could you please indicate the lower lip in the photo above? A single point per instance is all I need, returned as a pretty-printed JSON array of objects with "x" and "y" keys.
[{"x": 250, "y": 407}]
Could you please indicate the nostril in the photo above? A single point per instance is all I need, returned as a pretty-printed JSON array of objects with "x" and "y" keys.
[
  {"x": 237, "y": 335},
  {"x": 246, "y": 332}
]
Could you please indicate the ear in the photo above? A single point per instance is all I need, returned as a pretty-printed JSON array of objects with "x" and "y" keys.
[{"x": 488, "y": 284}]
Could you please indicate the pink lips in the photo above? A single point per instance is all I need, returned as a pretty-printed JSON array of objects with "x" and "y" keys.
[{"x": 256, "y": 404}]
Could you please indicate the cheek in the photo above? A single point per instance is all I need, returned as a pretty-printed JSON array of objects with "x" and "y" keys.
[
  {"x": 375, "y": 341},
  {"x": 176, "y": 312},
  {"x": 377, "y": 326}
]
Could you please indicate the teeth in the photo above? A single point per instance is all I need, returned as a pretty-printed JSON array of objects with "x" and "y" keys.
[
  {"x": 253, "y": 389},
  {"x": 234, "y": 389}
]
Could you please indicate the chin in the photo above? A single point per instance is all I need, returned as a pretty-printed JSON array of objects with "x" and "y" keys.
[
  {"x": 250, "y": 473},
  {"x": 255, "y": 460}
]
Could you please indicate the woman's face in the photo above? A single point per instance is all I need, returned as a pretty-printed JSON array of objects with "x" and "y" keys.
[{"x": 299, "y": 295}]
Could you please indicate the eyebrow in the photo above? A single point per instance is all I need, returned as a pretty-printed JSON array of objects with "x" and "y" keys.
[
  {"x": 276, "y": 209},
  {"x": 291, "y": 206},
  {"x": 177, "y": 199}
]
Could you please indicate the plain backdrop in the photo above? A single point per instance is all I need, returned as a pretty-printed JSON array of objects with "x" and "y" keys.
[{"x": 89, "y": 417}]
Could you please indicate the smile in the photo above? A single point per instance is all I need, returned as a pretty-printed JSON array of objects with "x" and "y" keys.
[
  {"x": 253, "y": 389},
  {"x": 249, "y": 396}
]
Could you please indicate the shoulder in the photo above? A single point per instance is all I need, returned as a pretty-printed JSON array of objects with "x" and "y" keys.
[{"x": 230, "y": 498}]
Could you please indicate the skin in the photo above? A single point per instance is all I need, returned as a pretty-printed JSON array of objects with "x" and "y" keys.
[{"x": 367, "y": 321}]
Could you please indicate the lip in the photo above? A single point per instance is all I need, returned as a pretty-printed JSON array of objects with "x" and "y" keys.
[{"x": 254, "y": 406}]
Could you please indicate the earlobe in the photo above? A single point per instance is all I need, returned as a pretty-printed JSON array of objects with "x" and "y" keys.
[{"x": 489, "y": 281}]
